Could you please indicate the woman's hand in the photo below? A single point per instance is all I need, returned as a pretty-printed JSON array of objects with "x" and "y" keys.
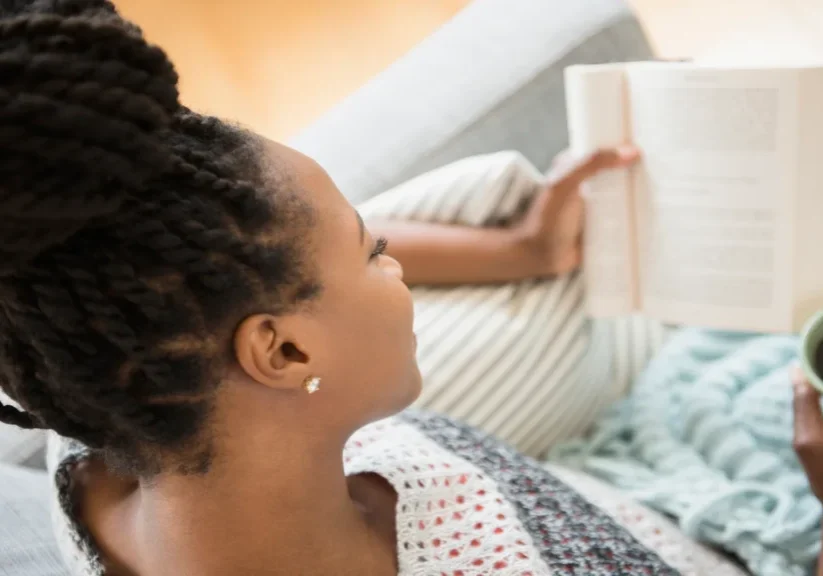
[
  {"x": 546, "y": 242},
  {"x": 808, "y": 431},
  {"x": 552, "y": 229},
  {"x": 808, "y": 436}
]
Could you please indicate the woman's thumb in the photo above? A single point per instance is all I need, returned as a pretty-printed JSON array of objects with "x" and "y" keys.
[{"x": 808, "y": 418}]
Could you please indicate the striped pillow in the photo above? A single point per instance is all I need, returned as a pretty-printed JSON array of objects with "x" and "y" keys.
[{"x": 518, "y": 360}]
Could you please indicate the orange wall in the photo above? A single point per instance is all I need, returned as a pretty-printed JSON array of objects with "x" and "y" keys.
[{"x": 275, "y": 65}]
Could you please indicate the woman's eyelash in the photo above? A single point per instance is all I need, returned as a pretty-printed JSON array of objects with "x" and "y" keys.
[{"x": 380, "y": 246}]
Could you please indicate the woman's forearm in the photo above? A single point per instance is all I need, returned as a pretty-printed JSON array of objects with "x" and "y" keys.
[{"x": 444, "y": 254}]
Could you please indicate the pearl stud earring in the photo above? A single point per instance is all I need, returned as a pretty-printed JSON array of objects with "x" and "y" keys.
[{"x": 311, "y": 384}]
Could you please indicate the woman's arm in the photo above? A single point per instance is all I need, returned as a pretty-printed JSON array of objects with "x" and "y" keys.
[
  {"x": 546, "y": 242},
  {"x": 442, "y": 254}
]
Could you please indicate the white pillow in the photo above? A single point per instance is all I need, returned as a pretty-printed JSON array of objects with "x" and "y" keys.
[
  {"x": 518, "y": 360},
  {"x": 18, "y": 446}
]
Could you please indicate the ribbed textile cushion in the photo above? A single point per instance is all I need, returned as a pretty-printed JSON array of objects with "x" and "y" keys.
[
  {"x": 27, "y": 543},
  {"x": 518, "y": 360}
]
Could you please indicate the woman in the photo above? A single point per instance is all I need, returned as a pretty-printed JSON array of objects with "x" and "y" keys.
[
  {"x": 808, "y": 436},
  {"x": 174, "y": 290}
]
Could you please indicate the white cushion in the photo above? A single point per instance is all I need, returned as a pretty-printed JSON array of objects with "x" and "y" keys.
[{"x": 18, "y": 446}]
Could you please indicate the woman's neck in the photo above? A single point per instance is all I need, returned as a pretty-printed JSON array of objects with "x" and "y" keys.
[{"x": 267, "y": 502}]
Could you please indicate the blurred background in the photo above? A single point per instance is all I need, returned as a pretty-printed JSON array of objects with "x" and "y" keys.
[{"x": 277, "y": 65}]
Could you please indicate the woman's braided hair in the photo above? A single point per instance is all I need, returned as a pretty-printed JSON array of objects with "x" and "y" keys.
[{"x": 133, "y": 237}]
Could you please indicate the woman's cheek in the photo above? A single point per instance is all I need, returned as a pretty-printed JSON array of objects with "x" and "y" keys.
[{"x": 395, "y": 328}]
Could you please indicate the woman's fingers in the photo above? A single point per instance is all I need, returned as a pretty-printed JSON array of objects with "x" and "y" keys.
[
  {"x": 808, "y": 418},
  {"x": 566, "y": 178},
  {"x": 569, "y": 176},
  {"x": 808, "y": 431},
  {"x": 556, "y": 215},
  {"x": 562, "y": 159},
  {"x": 569, "y": 261}
]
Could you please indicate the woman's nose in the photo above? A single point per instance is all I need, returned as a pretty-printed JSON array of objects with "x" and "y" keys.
[{"x": 394, "y": 267}]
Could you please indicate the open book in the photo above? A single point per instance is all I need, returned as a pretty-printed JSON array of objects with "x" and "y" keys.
[{"x": 721, "y": 224}]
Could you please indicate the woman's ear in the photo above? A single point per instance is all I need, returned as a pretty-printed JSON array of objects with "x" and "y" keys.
[{"x": 267, "y": 355}]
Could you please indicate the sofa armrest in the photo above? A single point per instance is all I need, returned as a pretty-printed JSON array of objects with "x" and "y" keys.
[{"x": 489, "y": 79}]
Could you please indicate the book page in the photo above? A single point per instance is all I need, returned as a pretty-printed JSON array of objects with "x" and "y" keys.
[
  {"x": 808, "y": 231},
  {"x": 596, "y": 106},
  {"x": 715, "y": 194}
]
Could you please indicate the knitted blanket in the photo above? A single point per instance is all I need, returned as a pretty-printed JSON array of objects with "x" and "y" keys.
[{"x": 706, "y": 437}]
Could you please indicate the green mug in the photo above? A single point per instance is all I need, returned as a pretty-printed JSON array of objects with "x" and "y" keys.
[{"x": 811, "y": 340}]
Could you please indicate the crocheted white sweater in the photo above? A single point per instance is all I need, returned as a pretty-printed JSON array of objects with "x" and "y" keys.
[{"x": 451, "y": 518}]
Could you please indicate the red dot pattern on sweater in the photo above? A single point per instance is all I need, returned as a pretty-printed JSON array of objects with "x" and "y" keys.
[{"x": 451, "y": 519}]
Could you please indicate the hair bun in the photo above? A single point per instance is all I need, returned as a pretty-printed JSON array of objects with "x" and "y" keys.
[{"x": 84, "y": 103}]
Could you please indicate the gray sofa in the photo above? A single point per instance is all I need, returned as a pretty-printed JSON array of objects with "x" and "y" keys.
[{"x": 489, "y": 79}]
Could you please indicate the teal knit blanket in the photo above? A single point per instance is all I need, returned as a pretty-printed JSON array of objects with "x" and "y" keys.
[{"x": 705, "y": 437}]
